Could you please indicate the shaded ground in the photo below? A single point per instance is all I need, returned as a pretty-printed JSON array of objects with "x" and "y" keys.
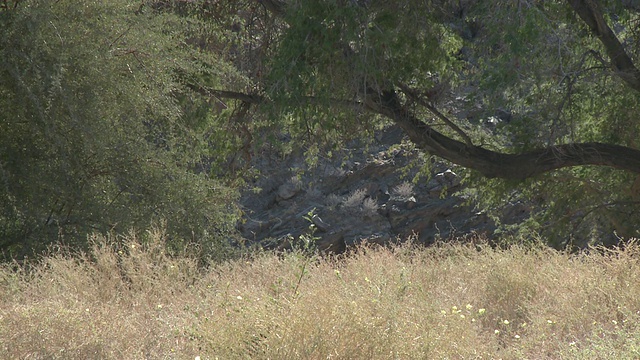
[{"x": 371, "y": 196}]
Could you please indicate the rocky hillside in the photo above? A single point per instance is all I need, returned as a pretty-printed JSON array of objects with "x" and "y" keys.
[{"x": 370, "y": 198}]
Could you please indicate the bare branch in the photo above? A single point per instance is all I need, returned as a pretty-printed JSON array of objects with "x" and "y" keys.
[
  {"x": 258, "y": 99},
  {"x": 591, "y": 14},
  {"x": 274, "y": 6},
  {"x": 413, "y": 95},
  {"x": 490, "y": 163}
]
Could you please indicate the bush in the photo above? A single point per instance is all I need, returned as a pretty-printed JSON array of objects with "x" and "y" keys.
[{"x": 95, "y": 134}]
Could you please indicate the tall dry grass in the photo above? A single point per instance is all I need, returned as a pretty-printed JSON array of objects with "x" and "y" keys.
[{"x": 445, "y": 302}]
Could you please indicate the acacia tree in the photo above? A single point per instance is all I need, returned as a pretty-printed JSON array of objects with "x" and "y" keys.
[
  {"x": 558, "y": 76},
  {"x": 99, "y": 132}
]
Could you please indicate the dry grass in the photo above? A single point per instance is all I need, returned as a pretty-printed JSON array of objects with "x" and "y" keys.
[{"x": 447, "y": 302}]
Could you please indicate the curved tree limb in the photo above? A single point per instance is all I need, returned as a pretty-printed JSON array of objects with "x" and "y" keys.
[
  {"x": 591, "y": 14},
  {"x": 503, "y": 165},
  {"x": 490, "y": 163},
  {"x": 274, "y": 6}
]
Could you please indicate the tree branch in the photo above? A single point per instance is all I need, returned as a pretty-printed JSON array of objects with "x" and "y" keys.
[
  {"x": 413, "y": 95},
  {"x": 274, "y": 6},
  {"x": 490, "y": 163},
  {"x": 591, "y": 14},
  {"x": 217, "y": 94},
  {"x": 259, "y": 99}
]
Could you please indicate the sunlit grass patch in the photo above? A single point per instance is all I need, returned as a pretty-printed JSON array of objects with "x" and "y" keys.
[{"x": 448, "y": 301}]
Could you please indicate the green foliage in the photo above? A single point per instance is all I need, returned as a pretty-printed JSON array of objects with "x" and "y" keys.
[
  {"x": 98, "y": 132},
  {"x": 332, "y": 50},
  {"x": 536, "y": 60},
  {"x": 109, "y": 119}
]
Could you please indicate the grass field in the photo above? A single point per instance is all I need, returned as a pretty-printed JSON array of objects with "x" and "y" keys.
[{"x": 445, "y": 302}]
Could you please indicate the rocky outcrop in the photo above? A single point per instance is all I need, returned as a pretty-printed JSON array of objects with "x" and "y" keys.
[{"x": 368, "y": 198}]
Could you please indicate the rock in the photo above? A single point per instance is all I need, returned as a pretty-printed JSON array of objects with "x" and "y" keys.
[
  {"x": 332, "y": 242},
  {"x": 286, "y": 191},
  {"x": 444, "y": 180},
  {"x": 381, "y": 213},
  {"x": 375, "y": 238},
  {"x": 410, "y": 203},
  {"x": 504, "y": 115},
  {"x": 448, "y": 178},
  {"x": 515, "y": 212},
  {"x": 476, "y": 220}
]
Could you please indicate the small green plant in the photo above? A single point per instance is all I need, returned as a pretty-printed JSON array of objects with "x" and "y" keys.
[
  {"x": 306, "y": 246},
  {"x": 307, "y": 242}
]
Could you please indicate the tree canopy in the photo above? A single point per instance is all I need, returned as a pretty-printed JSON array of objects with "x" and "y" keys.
[
  {"x": 98, "y": 131},
  {"x": 118, "y": 114},
  {"x": 558, "y": 77}
]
